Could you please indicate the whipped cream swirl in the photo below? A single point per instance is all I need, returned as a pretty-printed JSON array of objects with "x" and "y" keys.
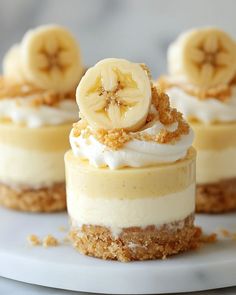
[
  {"x": 21, "y": 110},
  {"x": 208, "y": 110},
  {"x": 135, "y": 153}
]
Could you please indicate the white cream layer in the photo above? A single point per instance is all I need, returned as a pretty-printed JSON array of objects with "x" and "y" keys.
[
  {"x": 20, "y": 110},
  {"x": 122, "y": 213},
  {"x": 215, "y": 165},
  {"x": 135, "y": 153},
  {"x": 207, "y": 111},
  {"x": 22, "y": 167}
]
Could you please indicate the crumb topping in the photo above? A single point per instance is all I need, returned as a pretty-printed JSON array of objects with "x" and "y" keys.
[
  {"x": 220, "y": 92},
  {"x": 47, "y": 241},
  {"x": 228, "y": 234},
  {"x": 116, "y": 138},
  {"x": 146, "y": 69},
  {"x": 41, "y": 96},
  {"x": 208, "y": 239},
  {"x": 33, "y": 240},
  {"x": 62, "y": 228},
  {"x": 50, "y": 241}
]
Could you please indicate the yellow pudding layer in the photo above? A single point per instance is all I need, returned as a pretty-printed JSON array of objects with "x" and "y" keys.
[
  {"x": 215, "y": 165},
  {"x": 45, "y": 139},
  {"x": 32, "y": 157},
  {"x": 214, "y": 136},
  {"x": 129, "y": 183},
  {"x": 216, "y": 151}
]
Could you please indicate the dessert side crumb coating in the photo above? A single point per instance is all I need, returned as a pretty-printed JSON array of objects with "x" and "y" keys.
[
  {"x": 136, "y": 243},
  {"x": 48, "y": 199},
  {"x": 216, "y": 197}
]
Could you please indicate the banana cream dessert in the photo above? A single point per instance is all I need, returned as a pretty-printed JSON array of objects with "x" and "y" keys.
[
  {"x": 201, "y": 84},
  {"x": 37, "y": 108},
  {"x": 130, "y": 176}
]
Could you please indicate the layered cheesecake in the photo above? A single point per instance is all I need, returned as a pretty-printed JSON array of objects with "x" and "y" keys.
[
  {"x": 201, "y": 84},
  {"x": 37, "y": 108},
  {"x": 130, "y": 175}
]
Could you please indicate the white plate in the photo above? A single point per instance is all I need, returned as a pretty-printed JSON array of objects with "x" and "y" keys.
[{"x": 213, "y": 266}]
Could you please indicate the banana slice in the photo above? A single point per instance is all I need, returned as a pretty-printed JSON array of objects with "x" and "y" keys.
[
  {"x": 115, "y": 93},
  {"x": 51, "y": 58},
  {"x": 12, "y": 68},
  {"x": 205, "y": 57}
]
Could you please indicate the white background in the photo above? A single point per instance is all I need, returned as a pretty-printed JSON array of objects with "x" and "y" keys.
[{"x": 139, "y": 30}]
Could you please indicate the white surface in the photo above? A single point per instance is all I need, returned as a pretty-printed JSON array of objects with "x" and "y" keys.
[
  {"x": 18, "y": 288},
  {"x": 213, "y": 266}
]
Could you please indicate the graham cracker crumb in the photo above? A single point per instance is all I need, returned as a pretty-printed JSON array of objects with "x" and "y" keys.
[
  {"x": 33, "y": 240},
  {"x": 208, "y": 239},
  {"x": 42, "y": 96},
  {"x": 167, "y": 116},
  {"x": 220, "y": 92},
  {"x": 147, "y": 70},
  {"x": 62, "y": 229},
  {"x": 227, "y": 234},
  {"x": 50, "y": 241},
  {"x": 79, "y": 126},
  {"x": 66, "y": 240},
  {"x": 114, "y": 138}
]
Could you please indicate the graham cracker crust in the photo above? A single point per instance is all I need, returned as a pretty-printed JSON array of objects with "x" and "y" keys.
[
  {"x": 136, "y": 243},
  {"x": 217, "y": 197},
  {"x": 47, "y": 199}
]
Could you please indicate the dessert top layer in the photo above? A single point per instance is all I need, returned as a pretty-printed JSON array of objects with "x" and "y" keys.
[
  {"x": 203, "y": 57},
  {"x": 202, "y": 71},
  {"x": 33, "y": 107},
  {"x": 39, "y": 78},
  {"x": 125, "y": 120}
]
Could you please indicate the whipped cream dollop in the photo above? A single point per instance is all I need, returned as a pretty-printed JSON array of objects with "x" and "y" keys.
[
  {"x": 22, "y": 111},
  {"x": 208, "y": 110},
  {"x": 135, "y": 153}
]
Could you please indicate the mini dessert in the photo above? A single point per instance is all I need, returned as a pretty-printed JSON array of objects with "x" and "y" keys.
[
  {"x": 201, "y": 84},
  {"x": 37, "y": 108},
  {"x": 131, "y": 171}
]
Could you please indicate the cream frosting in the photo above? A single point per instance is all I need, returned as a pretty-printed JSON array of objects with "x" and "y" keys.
[
  {"x": 207, "y": 111},
  {"x": 135, "y": 153},
  {"x": 21, "y": 111}
]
